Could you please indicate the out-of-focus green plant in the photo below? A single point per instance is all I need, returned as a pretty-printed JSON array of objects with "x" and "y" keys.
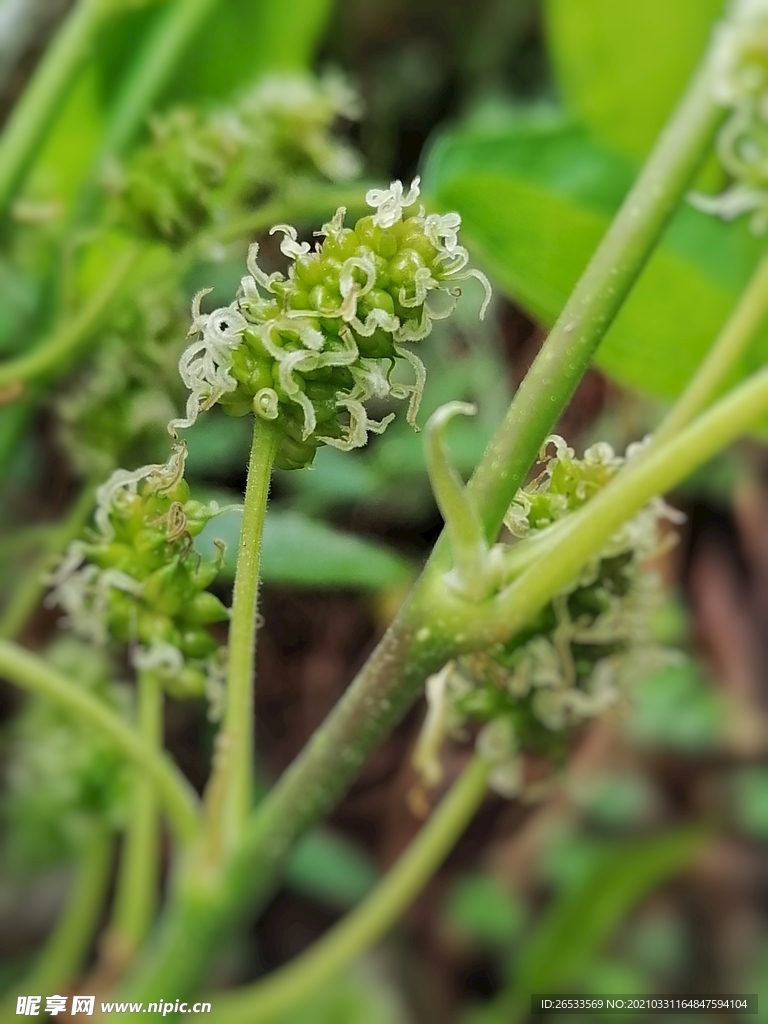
[{"x": 523, "y": 634}]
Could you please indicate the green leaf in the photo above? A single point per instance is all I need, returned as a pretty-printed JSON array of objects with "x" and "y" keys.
[
  {"x": 305, "y": 552},
  {"x": 621, "y": 66},
  {"x": 71, "y": 145},
  {"x": 675, "y": 708},
  {"x": 483, "y": 910},
  {"x": 536, "y": 195},
  {"x": 751, "y": 800},
  {"x": 327, "y": 867},
  {"x": 243, "y": 40},
  {"x": 562, "y": 951},
  {"x": 576, "y": 925}
]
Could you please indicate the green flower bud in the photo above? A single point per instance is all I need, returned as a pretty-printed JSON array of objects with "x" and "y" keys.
[
  {"x": 197, "y": 643},
  {"x": 206, "y": 607},
  {"x": 188, "y": 683}
]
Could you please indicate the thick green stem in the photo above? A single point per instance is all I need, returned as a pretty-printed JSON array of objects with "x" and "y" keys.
[
  {"x": 34, "y": 112},
  {"x": 66, "y": 948},
  {"x": 54, "y": 354},
  {"x": 27, "y": 595},
  {"x": 179, "y": 799},
  {"x": 723, "y": 357},
  {"x": 229, "y": 794},
  {"x": 298, "y": 981},
  {"x": 139, "y": 876},
  {"x": 597, "y": 298}
]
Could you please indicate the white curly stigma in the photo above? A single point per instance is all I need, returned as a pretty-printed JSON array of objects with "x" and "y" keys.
[
  {"x": 123, "y": 484},
  {"x": 739, "y": 75},
  {"x": 205, "y": 364},
  {"x": 290, "y": 246},
  {"x": 389, "y": 203}
]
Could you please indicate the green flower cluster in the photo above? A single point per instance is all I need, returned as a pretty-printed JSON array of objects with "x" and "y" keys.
[
  {"x": 579, "y": 654},
  {"x": 63, "y": 781},
  {"x": 740, "y": 59},
  {"x": 309, "y": 349},
  {"x": 199, "y": 164},
  {"x": 139, "y": 581}
]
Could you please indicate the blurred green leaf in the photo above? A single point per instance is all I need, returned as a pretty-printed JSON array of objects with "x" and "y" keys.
[
  {"x": 570, "y": 858},
  {"x": 751, "y": 800},
  {"x": 327, "y": 867},
  {"x": 621, "y": 66},
  {"x": 307, "y": 552},
  {"x": 617, "y": 799},
  {"x": 71, "y": 145},
  {"x": 659, "y": 943},
  {"x": 536, "y": 195},
  {"x": 676, "y": 708},
  {"x": 564, "y": 944},
  {"x": 19, "y": 295},
  {"x": 480, "y": 908},
  {"x": 243, "y": 40},
  {"x": 578, "y": 922},
  {"x": 609, "y": 975},
  {"x": 218, "y": 446}
]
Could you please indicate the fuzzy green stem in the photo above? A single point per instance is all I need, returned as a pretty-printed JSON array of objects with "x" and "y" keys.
[
  {"x": 25, "y": 669},
  {"x": 294, "y": 984},
  {"x": 723, "y": 357},
  {"x": 67, "y": 946},
  {"x": 597, "y": 298},
  {"x": 149, "y": 74},
  {"x": 586, "y": 530},
  {"x": 27, "y": 595},
  {"x": 54, "y": 354},
  {"x": 138, "y": 879},
  {"x": 44, "y": 95},
  {"x": 229, "y": 794}
]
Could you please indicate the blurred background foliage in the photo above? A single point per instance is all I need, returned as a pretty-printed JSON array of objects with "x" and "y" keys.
[{"x": 643, "y": 867}]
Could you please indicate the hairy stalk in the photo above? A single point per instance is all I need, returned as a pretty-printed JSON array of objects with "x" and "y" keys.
[
  {"x": 295, "y": 983},
  {"x": 34, "y": 112},
  {"x": 723, "y": 357},
  {"x": 65, "y": 950},
  {"x": 138, "y": 879},
  {"x": 31, "y": 673},
  {"x": 54, "y": 353},
  {"x": 420, "y": 641},
  {"x": 27, "y": 595},
  {"x": 229, "y": 794}
]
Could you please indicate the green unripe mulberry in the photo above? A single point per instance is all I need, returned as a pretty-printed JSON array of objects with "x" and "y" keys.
[
  {"x": 342, "y": 315},
  {"x": 140, "y": 582}
]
